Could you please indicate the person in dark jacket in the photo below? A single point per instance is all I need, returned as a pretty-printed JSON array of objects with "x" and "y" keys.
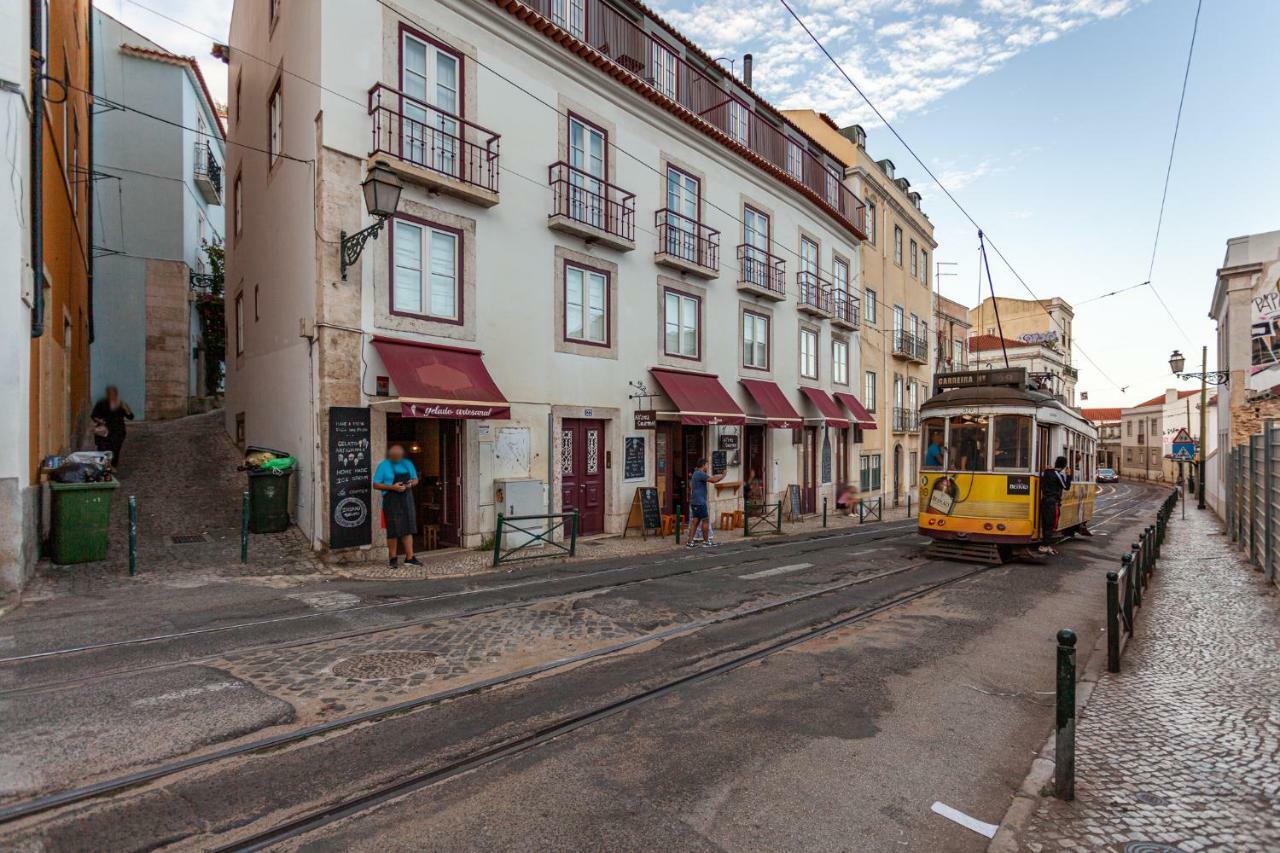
[
  {"x": 395, "y": 477},
  {"x": 109, "y": 415},
  {"x": 1054, "y": 483}
]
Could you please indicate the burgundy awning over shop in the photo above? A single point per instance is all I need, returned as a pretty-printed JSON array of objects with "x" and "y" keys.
[
  {"x": 826, "y": 407},
  {"x": 778, "y": 411},
  {"x": 860, "y": 414},
  {"x": 441, "y": 382},
  {"x": 699, "y": 397}
]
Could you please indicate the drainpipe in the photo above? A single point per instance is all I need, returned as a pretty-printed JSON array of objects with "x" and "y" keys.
[
  {"x": 90, "y": 188},
  {"x": 37, "y": 174}
]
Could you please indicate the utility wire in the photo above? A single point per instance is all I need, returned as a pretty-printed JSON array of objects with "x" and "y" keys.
[
  {"x": 1113, "y": 293},
  {"x": 1168, "y": 172},
  {"x": 937, "y": 181}
]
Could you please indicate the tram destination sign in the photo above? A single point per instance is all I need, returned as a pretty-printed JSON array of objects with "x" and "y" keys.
[{"x": 1005, "y": 376}]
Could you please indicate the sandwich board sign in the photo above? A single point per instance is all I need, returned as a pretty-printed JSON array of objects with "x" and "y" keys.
[{"x": 1184, "y": 447}]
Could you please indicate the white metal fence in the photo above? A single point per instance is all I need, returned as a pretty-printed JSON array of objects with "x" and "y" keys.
[{"x": 1253, "y": 498}]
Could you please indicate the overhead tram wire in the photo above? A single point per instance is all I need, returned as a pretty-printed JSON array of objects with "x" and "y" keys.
[
  {"x": 1113, "y": 293},
  {"x": 364, "y": 106},
  {"x": 964, "y": 211},
  {"x": 1168, "y": 173}
]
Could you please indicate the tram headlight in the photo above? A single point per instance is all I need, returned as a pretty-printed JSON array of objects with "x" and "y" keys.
[{"x": 1000, "y": 527}]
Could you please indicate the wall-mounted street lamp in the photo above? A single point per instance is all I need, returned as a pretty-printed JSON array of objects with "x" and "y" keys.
[
  {"x": 1217, "y": 377},
  {"x": 1177, "y": 361},
  {"x": 381, "y": 197}
]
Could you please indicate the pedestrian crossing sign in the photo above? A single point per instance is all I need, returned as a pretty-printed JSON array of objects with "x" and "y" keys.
[{"x": 1184, "y": 447}]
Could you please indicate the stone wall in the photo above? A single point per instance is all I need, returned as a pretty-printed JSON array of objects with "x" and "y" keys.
[
  {"x": 168, "y": 339},
  {"x": 1247, "y": 415}
]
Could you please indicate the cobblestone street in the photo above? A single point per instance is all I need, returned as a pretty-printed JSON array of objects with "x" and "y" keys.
[{"x": 1182, "y": 747}]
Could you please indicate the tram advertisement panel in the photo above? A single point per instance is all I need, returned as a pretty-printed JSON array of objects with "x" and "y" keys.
[{"x": 979, "y": 503}]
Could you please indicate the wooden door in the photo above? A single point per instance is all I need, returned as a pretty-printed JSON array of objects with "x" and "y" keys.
[
  {"x": 451, "y": 482},
  {"x": 809, "y": 471},
  {"x": 692, "y": 439},
  {"x": 841, "y": 473},
  {"x": 582, "y": 472},
  {"x": 753, "y": 471}
]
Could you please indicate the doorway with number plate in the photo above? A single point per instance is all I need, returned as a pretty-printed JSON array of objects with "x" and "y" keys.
[{"x": 582, "y": 453}]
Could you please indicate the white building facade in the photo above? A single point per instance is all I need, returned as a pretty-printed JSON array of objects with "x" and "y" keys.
[
  {"x": 160, "y": 191},
  {"x": 610, "y": 259},
  {"x": 1149, "y": 430}
]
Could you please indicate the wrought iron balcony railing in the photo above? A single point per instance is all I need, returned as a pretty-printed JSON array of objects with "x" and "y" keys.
[
  {"x": 846, "y": 308},
  {"x": 761, "y": 270},
  {"x": 906, "y": 420},
  {"x": 588, "y": 200},
  {"x": 684, "y": 239},
  {"x": 414, "y": 132},
  {"x": 208, "y": 173},
  {"x": 815, "y": 292}
]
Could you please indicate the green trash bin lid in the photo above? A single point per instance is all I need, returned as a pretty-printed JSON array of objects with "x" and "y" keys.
[{"x": 74, "y": 487}]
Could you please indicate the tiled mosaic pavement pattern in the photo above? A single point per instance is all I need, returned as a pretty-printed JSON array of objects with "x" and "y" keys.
[
  {"x": 1182, "y": 748},
  {"x": 344, "y": 676},
  {"x": 184, "y": 475}
]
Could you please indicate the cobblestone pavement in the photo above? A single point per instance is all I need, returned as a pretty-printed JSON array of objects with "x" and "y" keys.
[
  {"x": 183, "y": 473},
  {"x": 1182, "y": 747},
  {"x": 345, "y": 676}
]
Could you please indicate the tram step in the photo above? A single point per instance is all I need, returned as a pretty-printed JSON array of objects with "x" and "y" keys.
[{"x": 986, "y": 553}]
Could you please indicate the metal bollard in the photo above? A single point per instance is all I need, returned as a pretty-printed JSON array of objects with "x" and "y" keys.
[
  {"x": 746, "y": 518},
  {"x": 679, "y": 523},
  {"x": 1126, "y": 563},
  {"x": 244, "y": 529},
  {"x": 1113, "y": 622},
  {"x": 497, "y": 540},
  {"x": 778, "y": 528},
  {"x": 133, "y": 535},
  {"x": 908, "y": 504},
  {"x": 824, "y": 511},
  {"x": 1064, "y": 749},
  {"x": 1135, "y": 569},
  {"x": 1155, "y": 547},
  {"x": 573, "y": 540}
]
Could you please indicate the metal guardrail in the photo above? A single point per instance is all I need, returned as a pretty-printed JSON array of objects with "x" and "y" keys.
[
  {"x": 873, "y": 510},
  {"x": 1126, "y": 587},
  {"x": 757, "y": 516},
  {"x": 1252, "y": 498},
  {"x": 568, "y": 523}
]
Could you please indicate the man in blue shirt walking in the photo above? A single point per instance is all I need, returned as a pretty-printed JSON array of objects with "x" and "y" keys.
[{"x": 698, "y": 512}]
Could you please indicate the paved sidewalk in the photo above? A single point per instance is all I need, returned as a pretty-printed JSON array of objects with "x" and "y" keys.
[{"x": 1182, "y": 747}]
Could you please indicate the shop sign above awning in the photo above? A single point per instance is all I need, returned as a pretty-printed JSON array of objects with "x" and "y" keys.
[
  {"x": 778, "y": 411},
  {"x": 826, "y": 407},
  {"x": 699, "y": 397},
  {"x": 861, "y": 416},
  {"x": 441, "y": 382}
]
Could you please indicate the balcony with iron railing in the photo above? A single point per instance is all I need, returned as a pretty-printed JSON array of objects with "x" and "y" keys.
[
  {"x": 207, "y": 173},
  {"x": 591, "y": 208},
  {"x": 815, "y": 294},
  {"x": 708, "y": 95},
  {"x": 906, "y": 420},
  {"x": 686, "y": 244},
  {"x": 433, "y": 147},
  {"x": 910, "y": 347},
  {"x": 845, "y": 309},
  {"x": 761, "y": 273}
]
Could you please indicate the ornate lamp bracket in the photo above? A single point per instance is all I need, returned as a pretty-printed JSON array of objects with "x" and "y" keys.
[{"x": 353, "y": 244}]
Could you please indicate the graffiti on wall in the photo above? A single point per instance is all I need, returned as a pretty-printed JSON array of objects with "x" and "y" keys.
[{"x": 1264, "y": 333}]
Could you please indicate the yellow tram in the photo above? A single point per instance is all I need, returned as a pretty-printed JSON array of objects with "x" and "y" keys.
[{"x": 988, "y": 436}]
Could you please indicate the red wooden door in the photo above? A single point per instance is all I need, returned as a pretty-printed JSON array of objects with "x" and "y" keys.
[
  {"x": 809, "y": 466},
  {"x": 451, "y": 482},
  {"x": 582, "y": 472}
]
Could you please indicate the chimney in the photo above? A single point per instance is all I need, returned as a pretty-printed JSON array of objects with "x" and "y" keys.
[
  {"x": 1170, "y": 395},
  {"x": 746, "y": 70}
]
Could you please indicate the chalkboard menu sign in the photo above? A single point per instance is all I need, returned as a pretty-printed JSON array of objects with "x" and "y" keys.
[
  {"x": 645, "y": 512},
  {"x": 633, "y": 458},
  {"x": 719, "y": 462},
  {"x": 826, "y": 457},
  {"x": 793, "y": 501},
  {"x": 350, "y": 488}
]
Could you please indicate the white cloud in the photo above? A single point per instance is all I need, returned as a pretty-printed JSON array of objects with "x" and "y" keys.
[{"x": 905, "y": 54}]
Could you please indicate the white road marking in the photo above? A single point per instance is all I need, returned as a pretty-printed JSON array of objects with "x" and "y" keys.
[
  {"x": 780, "y": 570},
  {"x": 987, "y": 829},
  {"x": 186, "y": 693},
  {"x": 326, "y": 600}
]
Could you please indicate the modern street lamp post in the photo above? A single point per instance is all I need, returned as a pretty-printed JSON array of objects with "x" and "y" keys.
[{"x": 1217, "y": 377}]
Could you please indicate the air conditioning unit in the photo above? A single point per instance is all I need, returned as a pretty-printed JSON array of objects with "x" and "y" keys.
[{"x": 515, "y": 498}]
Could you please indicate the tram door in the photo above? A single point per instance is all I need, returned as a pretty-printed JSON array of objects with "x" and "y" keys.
[{"x": 1044, "y": 458}]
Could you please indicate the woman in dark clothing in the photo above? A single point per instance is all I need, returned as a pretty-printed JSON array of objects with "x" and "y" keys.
[
  {"x": 395, "y": 477},
  {"x": 109, "y": 416}
]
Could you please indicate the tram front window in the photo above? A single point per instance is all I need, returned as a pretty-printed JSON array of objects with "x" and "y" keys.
[
  {"x": 968, "y": 448},
  {"x": 935, "y": 444},
  {"x": 1011, "y": 443}
]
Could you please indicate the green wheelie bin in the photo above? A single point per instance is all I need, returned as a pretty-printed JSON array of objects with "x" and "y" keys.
[
  {"x": 269, "y": 500},
  {"x": 80, "y": 515}
]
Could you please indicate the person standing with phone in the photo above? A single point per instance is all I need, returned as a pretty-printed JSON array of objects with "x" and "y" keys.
[
  {"x": 395, "y": 477},
  {"x": 699, "y": 513}
]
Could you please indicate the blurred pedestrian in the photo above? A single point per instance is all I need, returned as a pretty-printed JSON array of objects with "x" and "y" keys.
[
  {"x": 109, "y": 415},
  {"x": 699, "y": 513},
  {"x": 395, "y": 477}
]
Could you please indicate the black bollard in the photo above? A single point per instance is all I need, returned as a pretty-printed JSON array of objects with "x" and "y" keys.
[
  {"x": 1113, "y": 622},
  {"x": 244, "y": 529},
  {"x": 133, "y": 535},
  {"x": 1064, "y": 751}
]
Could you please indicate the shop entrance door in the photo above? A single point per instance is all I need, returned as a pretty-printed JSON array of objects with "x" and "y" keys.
[
  {"x": 809, "y": 471},
  {"x": 582, "y": 473},
  {"x": 753, "y": 470},
  {"x": 435, "y": 448}
]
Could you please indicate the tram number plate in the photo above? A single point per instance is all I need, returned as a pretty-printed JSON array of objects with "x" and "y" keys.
[{"x": 1018, "y": 486}]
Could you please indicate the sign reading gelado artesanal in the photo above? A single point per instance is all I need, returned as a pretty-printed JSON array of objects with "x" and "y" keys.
[{"x": 455, "y": 411}]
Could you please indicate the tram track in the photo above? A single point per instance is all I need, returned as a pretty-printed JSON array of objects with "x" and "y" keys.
[
  {"x": 108, "y": 787},
  {"x": 161, "y": 666}
]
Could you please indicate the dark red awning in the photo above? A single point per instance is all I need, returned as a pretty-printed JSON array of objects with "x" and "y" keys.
[
  {"x": 826, "y": 407},
  {"x": 860, "y": 414},
  {"x": 777, "y": 409},
  {"x": 441, "y": 382},
  {"x": 699, "y": 397}
]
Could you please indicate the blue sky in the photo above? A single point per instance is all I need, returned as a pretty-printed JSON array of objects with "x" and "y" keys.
[{"x": 1050, "y": 120}]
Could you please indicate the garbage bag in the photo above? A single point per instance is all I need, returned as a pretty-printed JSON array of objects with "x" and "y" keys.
[
  {"x": 80, "y": 472},
  {"x": 258, "y": 458},
  {"x": 281, "y": 464}
]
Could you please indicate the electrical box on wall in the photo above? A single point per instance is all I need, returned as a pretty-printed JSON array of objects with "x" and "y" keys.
[{"x": 516, "y": 498}]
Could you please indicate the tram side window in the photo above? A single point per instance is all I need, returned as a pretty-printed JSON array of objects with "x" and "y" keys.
[
  {"x": 1011, "y": 443},
  {"x": 935, "y": 444},
  {"x": 968, "y": 448}
]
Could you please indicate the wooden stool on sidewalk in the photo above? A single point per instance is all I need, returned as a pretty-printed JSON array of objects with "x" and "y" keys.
[
  {"x": 726, "y": 521},
  {"x": 668, "y": 525},
  {"x": 431, "y": 537},
  {"x": 739, "y": 518}
]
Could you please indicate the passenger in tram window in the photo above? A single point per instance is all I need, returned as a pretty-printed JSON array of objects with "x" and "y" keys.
[{"x": 935, "y": 456}]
